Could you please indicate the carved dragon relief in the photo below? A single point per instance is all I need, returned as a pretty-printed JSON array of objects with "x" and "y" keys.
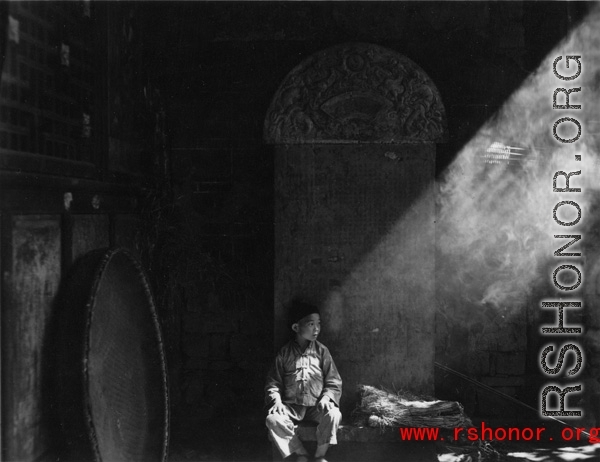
[{"x": 356, "y": 93}]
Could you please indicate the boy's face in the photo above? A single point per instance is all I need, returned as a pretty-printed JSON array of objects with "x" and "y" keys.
[{"x": 308, "y": 328}]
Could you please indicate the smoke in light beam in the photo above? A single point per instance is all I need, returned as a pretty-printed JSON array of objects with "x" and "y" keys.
[{"x": 495, "y": 228}]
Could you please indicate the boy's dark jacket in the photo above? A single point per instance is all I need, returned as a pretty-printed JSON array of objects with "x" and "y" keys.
[{"x": 303, "y": 377}]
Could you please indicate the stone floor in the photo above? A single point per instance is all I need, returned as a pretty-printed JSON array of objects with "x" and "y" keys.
[
  {"x": 523, "y": 452},
  {"x": 557, "y": 454},
  {"x": 218, "y": 439},
  {"x": 246, "y": 451},
  {"x": 243, "y": 439}
]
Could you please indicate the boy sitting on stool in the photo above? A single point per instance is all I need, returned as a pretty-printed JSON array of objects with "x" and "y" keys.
[{"x": 303, "y": 384}]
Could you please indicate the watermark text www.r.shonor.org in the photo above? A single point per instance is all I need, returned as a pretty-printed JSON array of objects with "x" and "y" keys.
[
  {"x": 563, "y": 132},
  {"x": 485, "y": 433}
]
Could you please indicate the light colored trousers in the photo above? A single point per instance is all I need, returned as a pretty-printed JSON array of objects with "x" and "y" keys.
[{"x": 282, "y": 428}]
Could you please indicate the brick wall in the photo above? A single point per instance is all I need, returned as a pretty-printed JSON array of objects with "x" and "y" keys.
[{"x": 222, "y": 64}]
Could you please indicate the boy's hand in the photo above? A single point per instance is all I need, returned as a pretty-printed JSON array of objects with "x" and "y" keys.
[
  {"x": 325, "y": 404},
  {"x": 277, "y": 408}
]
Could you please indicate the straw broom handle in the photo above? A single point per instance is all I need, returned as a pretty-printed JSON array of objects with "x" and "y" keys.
[{"x": 499, "y": 393}]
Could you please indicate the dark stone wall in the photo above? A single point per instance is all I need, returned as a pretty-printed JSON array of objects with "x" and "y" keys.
[
  {"x": 210, "y": 245},
  {"x": 219, "y": 64},
  {"x": 70, "y": 184},
  {"x": 349, "y": 237}
]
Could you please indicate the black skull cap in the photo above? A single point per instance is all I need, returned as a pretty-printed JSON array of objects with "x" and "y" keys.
[{"x": 300, "y": 309}]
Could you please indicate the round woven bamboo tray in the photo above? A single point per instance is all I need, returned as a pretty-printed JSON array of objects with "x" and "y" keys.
[{"x": 112, "y": 376}]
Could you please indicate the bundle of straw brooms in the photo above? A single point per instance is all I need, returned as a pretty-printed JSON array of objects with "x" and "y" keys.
[{"x": 380, "y": 408}]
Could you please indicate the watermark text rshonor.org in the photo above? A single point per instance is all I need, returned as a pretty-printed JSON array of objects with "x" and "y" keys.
[
  {"x": 486, "y": 433},
  {"x": 563, "y": 132}
]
